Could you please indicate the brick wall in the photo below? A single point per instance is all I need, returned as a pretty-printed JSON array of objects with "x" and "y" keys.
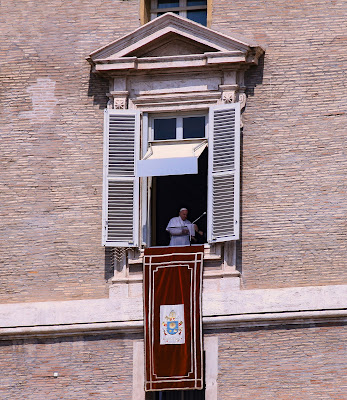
[
  {"x": 89, "y": 367},
  {"x": 293, "y": 199},
  {"x": 51, "y": 152},
  {"x": 254, "y": 364},
  {"x": 294, "y": 142},
  {"x": 288, "y": 363}
]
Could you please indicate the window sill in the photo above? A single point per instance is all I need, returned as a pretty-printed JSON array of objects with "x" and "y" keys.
[
  {"x": 211, "y": 252},
  {"x": 214, "y": 266},
  {"x": 209, "y": 274}
]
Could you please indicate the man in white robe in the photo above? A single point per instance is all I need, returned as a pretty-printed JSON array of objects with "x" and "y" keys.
[{"x": 180, "y": 229}]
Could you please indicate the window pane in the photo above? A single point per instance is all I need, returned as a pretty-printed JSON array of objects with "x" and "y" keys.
[
  {"x": 193, "y": 127},
  {"x": 196, "y": 3},
  {"x": 165, "y": 129},
  {"x": 162, "y": 13},
  {"x": 168, "y": 3},
  {"x": 199, "y": 16}
]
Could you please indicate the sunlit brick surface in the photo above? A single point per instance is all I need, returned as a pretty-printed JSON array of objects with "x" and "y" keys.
[
  {"x": 294, "y": 142},
  {"x": 287, "y": 363},
  {"x": 293, "y": 159},
  {"x": 51, "y": 152},
  {"x": 89, "y": 367}
]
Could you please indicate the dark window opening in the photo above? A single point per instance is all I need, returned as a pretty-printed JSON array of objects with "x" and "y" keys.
[
  {"x": 193, "y": 127},
  {"x": 168, "y": 3},
  {"x": 170, "y": 193},
  {"x": 180, "y": 395},
  {"x": 164, "y": 128},
  {"x": 196, "y": 3}
]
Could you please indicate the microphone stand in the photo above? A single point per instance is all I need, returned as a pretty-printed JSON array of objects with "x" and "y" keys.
[{"x": 204, "y": 213}]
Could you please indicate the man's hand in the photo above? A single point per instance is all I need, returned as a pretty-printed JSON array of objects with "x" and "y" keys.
[{"x": 197, "y": 230}]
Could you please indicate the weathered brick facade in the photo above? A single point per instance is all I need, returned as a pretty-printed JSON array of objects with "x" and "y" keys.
[
  {"x": 286, "y": 363},
  {"x": 92, "y": 367},
  {"x": 293, "y": 179},
  {"x": 293, "y": 208},
  {"x": 293, "y": 201},
  {"x": 51, "y": 157}
]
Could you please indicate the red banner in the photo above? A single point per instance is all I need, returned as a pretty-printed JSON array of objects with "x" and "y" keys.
[{"x": 173, "y": 325}]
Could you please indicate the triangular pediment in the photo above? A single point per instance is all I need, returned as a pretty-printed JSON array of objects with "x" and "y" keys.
[
  {"x": 168, "y": 38},
  {"x": 171, "y": 44}
]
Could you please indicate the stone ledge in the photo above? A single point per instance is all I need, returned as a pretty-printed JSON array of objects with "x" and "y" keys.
[
  {"x": 209, "y": 323},
  {"x": 220, "y": 300}
]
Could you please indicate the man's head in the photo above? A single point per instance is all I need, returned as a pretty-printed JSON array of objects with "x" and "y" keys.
[{"x": 183, "y": 213}]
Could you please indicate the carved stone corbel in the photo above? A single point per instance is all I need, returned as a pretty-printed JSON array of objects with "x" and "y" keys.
[
  {"x": 118, "y": 100},
  {"x": 228, "y": 93},
  {"x": 110, "y": 102},
  {"x": 242, "y": 99},
  {"x": 228, "y": 97},
  {"x": 120, "y": 104}
]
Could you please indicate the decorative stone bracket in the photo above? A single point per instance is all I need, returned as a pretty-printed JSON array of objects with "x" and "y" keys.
[
  {"x": 233, "y": 89},
  {"x": 118, "y": 100}
]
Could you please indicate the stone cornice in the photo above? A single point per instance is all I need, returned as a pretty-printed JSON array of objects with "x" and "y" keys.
[
  {"x": 212, "y": 323},
  {"x": 129, "y": 52},
  {"x": 168, "y": 62},
  {"x": 228, "y": 307},
  {"x": 160, "y": 26},
  {"x": 174, "y": 48}
]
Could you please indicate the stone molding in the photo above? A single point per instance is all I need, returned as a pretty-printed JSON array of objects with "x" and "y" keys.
[
  {"x": 209, "y": 324},
  {"x": 174, "y": 49},
  {"x": 221, "y": 48},
  {"x": 172, "y": 64},
  {"x": 223, "y": 306}
]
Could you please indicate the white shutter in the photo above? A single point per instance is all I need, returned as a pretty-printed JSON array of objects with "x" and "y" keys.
[
  {"x": 121, "y": 187},
  {"x": 224, "y": 173}
]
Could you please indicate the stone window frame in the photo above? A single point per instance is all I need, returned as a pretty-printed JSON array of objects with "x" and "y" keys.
[
  {"x": 218, "y": 63},
  {"x": 134, "y": 235},
  {"x": 147, "y": 14},
  {"x": 179, "y": 127}
]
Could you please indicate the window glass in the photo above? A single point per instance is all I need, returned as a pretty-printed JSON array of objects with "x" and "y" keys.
[
  {"x": 196, "y": 3},
  {"x": 161, "y": 13},
  {"x": 199, "y": 16},
  {"x": 164, "y": 128},
  {"x": 193, "y": 127},
  {"x": 168, "y": 3}
]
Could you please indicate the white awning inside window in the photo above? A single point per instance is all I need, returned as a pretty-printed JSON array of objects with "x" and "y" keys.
[{"x": 171, "y": 158}]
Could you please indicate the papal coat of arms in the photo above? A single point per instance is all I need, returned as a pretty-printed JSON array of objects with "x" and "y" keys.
[{"x": 172, "y": 324}]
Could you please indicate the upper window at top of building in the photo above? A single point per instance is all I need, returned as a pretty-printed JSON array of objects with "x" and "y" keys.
[{"x": 195, "y": 10}]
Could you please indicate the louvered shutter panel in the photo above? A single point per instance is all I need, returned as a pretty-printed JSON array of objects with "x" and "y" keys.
[
  {"x": 224, "y": 173},
  {"x": 121, "y": 187}
]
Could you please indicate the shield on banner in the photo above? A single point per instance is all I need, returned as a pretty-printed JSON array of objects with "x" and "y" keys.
[{"x": 172, "y": 327}]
